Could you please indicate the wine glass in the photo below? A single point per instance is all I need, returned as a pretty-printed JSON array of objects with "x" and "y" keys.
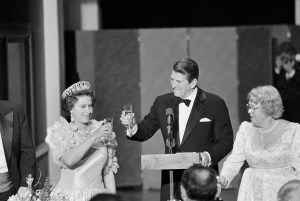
[
  {"x": 128, "y": 111},
  {"x": 107, "y": 138},
  {"x": 110, "y": 121}
]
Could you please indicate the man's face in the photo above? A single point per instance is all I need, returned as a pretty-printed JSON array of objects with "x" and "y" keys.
[
  {"x": 288, "y": 61},
  {"x": 181, "y": 86}
]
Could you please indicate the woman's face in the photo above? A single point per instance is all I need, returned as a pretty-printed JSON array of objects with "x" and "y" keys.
[
  {"x": 83, "y": 109},
  {"x": 256, "y": 113}
]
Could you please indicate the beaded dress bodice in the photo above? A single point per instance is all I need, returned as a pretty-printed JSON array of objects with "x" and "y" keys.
[
  {"x": 268, "y": 169},
  {"x": 85, "y": 179}
]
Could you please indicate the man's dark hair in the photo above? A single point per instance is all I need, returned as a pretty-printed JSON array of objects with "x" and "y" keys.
[
  {"x": 200, "y": 183},
  {"x": 290, "y": 191},
  {"x": 187, "y": 67},
  {"x": 287, "y": 48},
  {"x": 106, "y": 197}
]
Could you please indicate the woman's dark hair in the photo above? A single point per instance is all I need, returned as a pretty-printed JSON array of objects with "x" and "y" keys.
[
  {"x": 70, "y": 96},
  {"x": 187, "y": 67}
]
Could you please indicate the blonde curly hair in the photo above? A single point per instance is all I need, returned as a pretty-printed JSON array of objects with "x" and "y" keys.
[{"x": 269, "y": 99}]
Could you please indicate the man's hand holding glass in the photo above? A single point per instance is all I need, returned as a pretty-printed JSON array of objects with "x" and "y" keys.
[{"x": 128, "y": 120}]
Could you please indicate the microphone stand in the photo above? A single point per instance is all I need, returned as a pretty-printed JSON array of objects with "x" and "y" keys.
[{"x": 170, "y": 142}]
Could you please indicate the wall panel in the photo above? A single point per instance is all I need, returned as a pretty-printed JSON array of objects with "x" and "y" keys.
[
  {"x": 85, "y": 64},
  {"x": 254, "y": 62},
  {"x": 215, "y": 50},
  {"x": 116, "y": 81}
]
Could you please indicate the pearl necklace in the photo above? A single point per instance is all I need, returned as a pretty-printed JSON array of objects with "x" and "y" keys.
[
  {"x": 84, "y": 133},
  {"x": 267, "y": 131},
  {"x": 87, "y": 132},
  {"x": 262, "y": 137}
]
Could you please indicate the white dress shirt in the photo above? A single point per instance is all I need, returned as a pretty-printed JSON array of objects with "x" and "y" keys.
[
  {"x": 3, "y": 165},
  {"x": 184, "y": 113}
]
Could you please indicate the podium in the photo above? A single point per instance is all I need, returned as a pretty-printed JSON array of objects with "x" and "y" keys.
[{"x": 170, "y": 162}]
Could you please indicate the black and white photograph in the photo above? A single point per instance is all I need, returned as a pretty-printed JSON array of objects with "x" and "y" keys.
[{"x": 171, "y": 100}]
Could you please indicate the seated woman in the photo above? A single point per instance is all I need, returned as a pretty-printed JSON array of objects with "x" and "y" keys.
[
  {"x": 87, "y": 163},
  {"x": 270, "y": 145}
]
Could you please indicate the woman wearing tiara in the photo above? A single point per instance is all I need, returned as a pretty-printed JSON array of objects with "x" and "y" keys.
[
  {"x": 270, "y": 145},
  {"x": 87, "y": 161}
]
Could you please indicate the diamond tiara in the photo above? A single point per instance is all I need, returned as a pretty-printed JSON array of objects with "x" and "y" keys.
[{"x": 78, "y": 86}]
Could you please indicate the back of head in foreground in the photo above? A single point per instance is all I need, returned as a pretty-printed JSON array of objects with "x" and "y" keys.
[
  {"x": 107, "y": 197},
  {"x": 200, "y": 183},
  {"x": 290, "y": 191}
]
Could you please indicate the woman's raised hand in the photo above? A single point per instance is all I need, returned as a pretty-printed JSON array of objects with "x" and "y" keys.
[{"x": 102, "y": 130}]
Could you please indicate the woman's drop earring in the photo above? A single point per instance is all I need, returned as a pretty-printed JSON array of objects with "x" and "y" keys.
[{"x": 72, "y": 117}]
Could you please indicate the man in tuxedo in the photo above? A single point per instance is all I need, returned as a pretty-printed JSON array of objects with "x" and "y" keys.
[
  {"x": 287, "y": 80},
  {"x": 17, "y": 151},
  {"x": 201, "y": 122},
  {"x": 200, "y": 183}
]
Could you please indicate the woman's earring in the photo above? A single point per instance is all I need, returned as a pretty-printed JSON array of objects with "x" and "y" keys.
[{"x": 72, "y": 117}]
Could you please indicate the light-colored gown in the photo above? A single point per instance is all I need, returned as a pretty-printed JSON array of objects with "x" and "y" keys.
[
  {"x": 85, "y": 180},
  {"x": 268, "y": 169}
]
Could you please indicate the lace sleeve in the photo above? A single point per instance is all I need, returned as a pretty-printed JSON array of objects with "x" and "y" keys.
[
  {"x": 295, "y": 152},
  {"x": 236, "y": 159},
  {"x": 112, "y": 161},
  {"x": 58, "y": 143}
]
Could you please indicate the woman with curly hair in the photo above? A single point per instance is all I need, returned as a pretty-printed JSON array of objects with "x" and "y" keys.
[
  {"x": 270, "y": 145},
  {"x": 83, "y": 148}
]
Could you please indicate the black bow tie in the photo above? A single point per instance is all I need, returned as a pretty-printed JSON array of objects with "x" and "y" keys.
[{"x": 185, "y": 101}]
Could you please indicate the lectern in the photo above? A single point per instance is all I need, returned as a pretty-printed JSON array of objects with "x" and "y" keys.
[{"x": 170, "y": 162}]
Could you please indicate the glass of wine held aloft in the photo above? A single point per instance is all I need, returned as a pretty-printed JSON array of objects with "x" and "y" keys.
[
  {"x": 110, "y": 121},
  {"x": 128, "y": 112},
  {"x": 107, "y": 139}
]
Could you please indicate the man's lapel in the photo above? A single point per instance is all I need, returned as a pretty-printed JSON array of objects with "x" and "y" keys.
[
  {"x": 196, "y": 113},
  {"x": 6, "y": 129}
]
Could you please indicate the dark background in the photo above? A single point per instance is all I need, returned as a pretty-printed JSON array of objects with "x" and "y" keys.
[
  {"x": 194, "y": 13},
  {"x": 117, "y": 14}
]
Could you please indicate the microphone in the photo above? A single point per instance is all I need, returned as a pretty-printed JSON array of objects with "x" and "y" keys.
[{"x": 170, "y": 119}]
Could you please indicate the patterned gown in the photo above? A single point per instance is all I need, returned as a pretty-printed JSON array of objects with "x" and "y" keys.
[
  {"x": 268, "y": 169},
  {"x": 85, "y": 180}
]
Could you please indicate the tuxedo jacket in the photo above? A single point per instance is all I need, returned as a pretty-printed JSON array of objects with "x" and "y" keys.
[
  {"x": 290, "y": 94},
  {"x": 208, "y": 129},
  {"x": 17, "y": 143}
]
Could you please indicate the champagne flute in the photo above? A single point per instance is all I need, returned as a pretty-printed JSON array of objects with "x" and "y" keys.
[
  {"x": 110, "y": 121},
  {"x": 106, "y": 139},
  {"x": 128, "y": 111}
]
